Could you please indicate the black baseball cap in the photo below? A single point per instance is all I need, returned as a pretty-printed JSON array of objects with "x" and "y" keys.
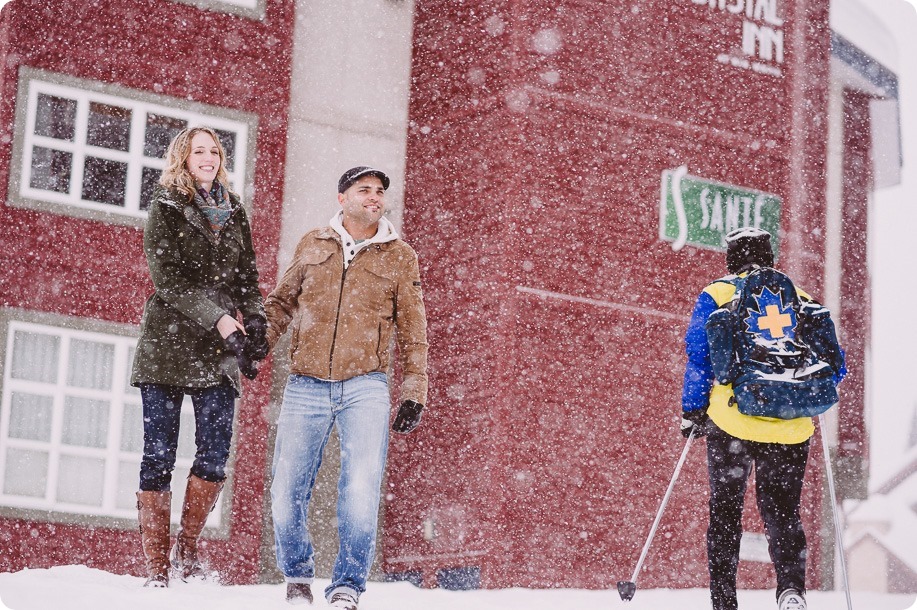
[{"x": 355, "y": 173}]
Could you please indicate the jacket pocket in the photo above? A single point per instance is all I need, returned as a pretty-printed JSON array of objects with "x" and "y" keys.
[
  {"x": 375, "y": 290},
  {"x": 320, "y": 274},
  {"x": 315, "y": 257},
  {"x": 378, "y": 292}
]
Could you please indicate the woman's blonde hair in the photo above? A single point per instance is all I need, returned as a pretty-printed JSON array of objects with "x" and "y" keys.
[{"x": 176, "y": 174}]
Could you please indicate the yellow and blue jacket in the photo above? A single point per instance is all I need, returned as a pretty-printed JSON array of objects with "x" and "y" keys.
[{"x": 700, "y": 390}]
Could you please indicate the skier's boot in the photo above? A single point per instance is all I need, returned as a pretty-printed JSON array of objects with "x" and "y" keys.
[
  {"x": 200, "y": 498},
  {"x": 153, "y": 509},
  {"x": 791, "y": 599}
]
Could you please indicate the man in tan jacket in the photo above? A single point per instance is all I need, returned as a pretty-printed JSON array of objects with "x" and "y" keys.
[{"x": 350, "y": 287}]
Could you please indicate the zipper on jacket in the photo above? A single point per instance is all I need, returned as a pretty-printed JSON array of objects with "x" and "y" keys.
[
  {"x": 337, "y": 315},
  {"x": 337, "y": 319}
]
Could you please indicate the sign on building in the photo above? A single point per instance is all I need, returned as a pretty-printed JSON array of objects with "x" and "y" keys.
[
  {"x": 701, "y": 212},
  {"x": 761, "y": 40}
]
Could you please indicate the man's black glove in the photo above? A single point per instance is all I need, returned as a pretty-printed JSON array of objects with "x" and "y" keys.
[
  {"x": 694, "y": 420},
  {"x": 236, "y": 343},
  {"x": 408, "y": 416},
  {"x": 256, "y": 347}
]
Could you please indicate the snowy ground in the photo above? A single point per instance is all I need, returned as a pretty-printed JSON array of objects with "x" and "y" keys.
[{"x": 82, "y": 588}]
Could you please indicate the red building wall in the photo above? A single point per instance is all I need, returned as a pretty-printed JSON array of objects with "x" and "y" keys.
[
  {"x": 539, "y": 132},
  {"x": 91, "y": 269}
]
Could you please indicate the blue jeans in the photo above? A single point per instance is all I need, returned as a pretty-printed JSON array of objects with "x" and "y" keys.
[
  {"x": 214, "y": 408},
  {"x": 359, "y": 409}
]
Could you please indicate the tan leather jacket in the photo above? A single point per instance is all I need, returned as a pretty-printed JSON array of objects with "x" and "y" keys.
[{"x": 342, "y": 321}]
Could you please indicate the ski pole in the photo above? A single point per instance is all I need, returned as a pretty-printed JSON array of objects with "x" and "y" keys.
[
  {"x": 627, "y": 588},
  {"x": 839, "y": 537}
]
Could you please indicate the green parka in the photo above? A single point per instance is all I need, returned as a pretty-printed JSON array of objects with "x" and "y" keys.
[{"x": 198, "y": 276}]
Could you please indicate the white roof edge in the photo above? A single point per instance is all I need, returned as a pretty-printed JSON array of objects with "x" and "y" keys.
[{"x": 856, "y": 22}]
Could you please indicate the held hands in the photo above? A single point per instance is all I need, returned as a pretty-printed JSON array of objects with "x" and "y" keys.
[
  {"x": 248, "y": 343},
  {"x": 256, "y": 328},
  {"x": 694, "y": 420},
  {"x": 236, "y": 343},
  {"x": 408, "y": 417},
  {"x": 227, "y": 325}
]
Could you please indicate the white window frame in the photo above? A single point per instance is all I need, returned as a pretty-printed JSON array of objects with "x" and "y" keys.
[
  {"x": 253, "y": 9},
  {"x": 33, "y": 82},
  {"x": 112, "y": 454},
  {"x": 251, "y": 4}
]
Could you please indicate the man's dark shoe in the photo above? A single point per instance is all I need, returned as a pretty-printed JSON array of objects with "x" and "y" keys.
[{"x": 299, "y": 593}]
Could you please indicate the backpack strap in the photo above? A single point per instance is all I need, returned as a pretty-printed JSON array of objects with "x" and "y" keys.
[{"x": 723, "y": 290}]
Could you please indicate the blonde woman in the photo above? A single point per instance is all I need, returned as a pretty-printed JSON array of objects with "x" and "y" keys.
[{"x": 198, "y": 246}]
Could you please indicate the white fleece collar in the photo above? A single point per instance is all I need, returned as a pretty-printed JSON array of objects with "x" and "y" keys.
[{"x": 386, "y": 232}]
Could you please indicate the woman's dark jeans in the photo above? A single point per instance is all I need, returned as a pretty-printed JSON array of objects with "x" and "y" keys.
[{"x": 214, "y": 408}]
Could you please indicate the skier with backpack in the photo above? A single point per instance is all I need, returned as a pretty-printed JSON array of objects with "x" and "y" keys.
[{"x": 763, "y": 359}]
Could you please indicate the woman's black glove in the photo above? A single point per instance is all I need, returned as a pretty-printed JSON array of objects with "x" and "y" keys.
[
  {"x": 237, "y": 343},
  {"x": 408, "y": 416},
  {"x": 256, "y": 348}
]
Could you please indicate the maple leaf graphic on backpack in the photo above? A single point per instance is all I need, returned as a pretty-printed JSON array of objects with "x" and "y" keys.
[{"x": 758, "y": 345}]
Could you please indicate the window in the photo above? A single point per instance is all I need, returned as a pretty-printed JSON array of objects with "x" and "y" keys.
[
  {"x": 243, "y": 3},
  {"x": 92, "y": 150},
  {"x": 71, "y": 425},
  {"x": 253, "y": 9}
]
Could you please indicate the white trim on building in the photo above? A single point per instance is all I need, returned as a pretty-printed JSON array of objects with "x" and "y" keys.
[
  {"x": 96, "y": 151},
  {"x": 71, "y": 425}
]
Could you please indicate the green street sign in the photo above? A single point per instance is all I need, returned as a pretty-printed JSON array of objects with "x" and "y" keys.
[{"x": 701, "y": 212}]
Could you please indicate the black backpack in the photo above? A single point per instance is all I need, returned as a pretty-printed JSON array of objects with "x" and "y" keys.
[{"x": 779, "y": 352}]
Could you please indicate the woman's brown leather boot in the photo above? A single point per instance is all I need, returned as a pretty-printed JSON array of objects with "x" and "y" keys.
[
  {"x": 153, "y": 508},
  {"x": 200, "y": 498}
]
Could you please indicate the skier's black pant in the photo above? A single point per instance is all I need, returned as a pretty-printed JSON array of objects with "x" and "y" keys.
[{"x": 779, "y": 471}]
